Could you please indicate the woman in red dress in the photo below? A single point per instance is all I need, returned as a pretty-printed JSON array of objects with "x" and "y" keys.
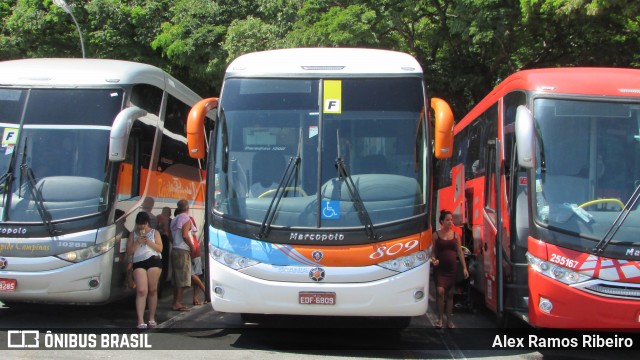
[{"x": 446, "y": 246}]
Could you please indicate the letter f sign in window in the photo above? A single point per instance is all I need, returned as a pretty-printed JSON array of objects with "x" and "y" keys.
[{"x": 332, "y": 96}]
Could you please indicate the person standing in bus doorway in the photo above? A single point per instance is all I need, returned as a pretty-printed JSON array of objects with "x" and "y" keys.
[
  {"x": 164, "y": 224},
  {"x": 446, "y": 245},
  {"x": 181, "y": 254},
  {"x": 144, "y": 250},
  {"x": 147, "y": 206},
  {"x": 196, "y": 266}
]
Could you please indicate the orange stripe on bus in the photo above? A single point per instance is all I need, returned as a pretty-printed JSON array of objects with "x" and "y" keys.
[{"x": 367, "y": 254}]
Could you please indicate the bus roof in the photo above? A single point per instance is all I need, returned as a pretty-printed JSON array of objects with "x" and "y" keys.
[
  {"x": 325, "y": 62},
  {"x": 593, "y": 81},
  {"x": 65, "y": 72},
  {"x": 587, "y": 81}
]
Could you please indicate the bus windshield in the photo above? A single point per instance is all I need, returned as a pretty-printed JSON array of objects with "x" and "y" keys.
[
  {"x": 588, "y": 166},
  {"x": 378, "y": 135},
  {"x": 55, "y": 148}
]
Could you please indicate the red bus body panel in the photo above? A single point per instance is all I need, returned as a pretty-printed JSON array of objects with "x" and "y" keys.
[
  {"x": 575, "y": 308},
  {"x": 572, "y": 307}
]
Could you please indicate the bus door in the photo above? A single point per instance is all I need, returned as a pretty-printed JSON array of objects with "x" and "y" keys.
[
  {"x": 518, "y": 233},
  {"x": 492, "y": 232},
  {"x": 458, "y": 207}
]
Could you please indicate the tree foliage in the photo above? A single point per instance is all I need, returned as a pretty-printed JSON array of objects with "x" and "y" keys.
[{"x": 465, "y": 46}]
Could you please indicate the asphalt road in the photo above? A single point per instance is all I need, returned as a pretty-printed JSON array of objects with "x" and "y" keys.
[{"x": 283, "y": 337}]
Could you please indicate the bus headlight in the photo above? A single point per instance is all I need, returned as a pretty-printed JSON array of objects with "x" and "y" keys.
[
  {"x": 405, "y": 263},
  {"x": 231, "y": 260},
  {"x": 81, "y": 255},
  {"x": 556, "y": 272}
]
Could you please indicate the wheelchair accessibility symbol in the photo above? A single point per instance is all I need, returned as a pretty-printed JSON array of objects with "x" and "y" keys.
[{"x": 330, "y": 209}]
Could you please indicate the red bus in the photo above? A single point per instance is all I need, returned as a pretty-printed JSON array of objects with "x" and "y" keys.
[{"x": 555, "y": 240}]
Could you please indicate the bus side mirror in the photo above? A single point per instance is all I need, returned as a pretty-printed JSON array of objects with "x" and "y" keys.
[
  {"x": 119, "y": 137},
  {"x": 525, "y": 137},
  {"x": 443, "y": 128},
  {"x": 195, "y": 127}
]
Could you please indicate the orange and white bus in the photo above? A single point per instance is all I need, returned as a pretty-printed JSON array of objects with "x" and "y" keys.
[
  {"x": 555, "y": 238},
  {"x": 86, "y": 143},
  {"x": 319, "y": 183}
]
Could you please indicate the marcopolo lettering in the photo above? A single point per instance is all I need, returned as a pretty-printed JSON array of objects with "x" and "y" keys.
[
  {"x": 316, "y": 236},
  {"x": 13, "y": 230},
  {"x": 632, "y": 252}
]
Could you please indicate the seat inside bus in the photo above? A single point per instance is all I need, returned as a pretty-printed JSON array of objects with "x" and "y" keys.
[{"x": 267, "y": 168}]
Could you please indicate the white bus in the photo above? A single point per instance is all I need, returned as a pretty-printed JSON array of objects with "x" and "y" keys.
[
  {"x": 319, "y": 183},
  {"x": 85, "y": 143}
]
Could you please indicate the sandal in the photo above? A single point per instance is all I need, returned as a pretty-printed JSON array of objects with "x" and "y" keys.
[
  {"x": 438, "y": 324},
  {"x": 152, "y": 324},
  {"x": 142, "y": 326},
  {"x": 451, "y": 325}
]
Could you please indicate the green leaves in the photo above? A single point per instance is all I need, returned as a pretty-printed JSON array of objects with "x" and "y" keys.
[{"x": 464, "y": 46}]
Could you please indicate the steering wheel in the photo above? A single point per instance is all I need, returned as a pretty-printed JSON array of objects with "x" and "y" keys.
[
  {"x": 288, "y": 188},
  {"x": 600, "y": 201}
]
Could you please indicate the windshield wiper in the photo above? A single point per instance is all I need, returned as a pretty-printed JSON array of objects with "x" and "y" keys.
[
  {"x": 36, "y": 195},
  {"x": 265, "y": 227},
  {"x": 617, "y": 223},
  {"x": 5, "y": 183},
  {"x": 363, "y": 214},
  {"x": 292, "y": 166}
]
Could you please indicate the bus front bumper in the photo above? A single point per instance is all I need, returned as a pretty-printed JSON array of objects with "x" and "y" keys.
[
  {"x": 87, "y": 282},
  {"x": 573, "y": 308},
  {"x": 235, "y": 292}
]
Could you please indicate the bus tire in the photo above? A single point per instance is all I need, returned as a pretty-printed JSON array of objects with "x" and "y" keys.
[{"x": 504, "y": 320}]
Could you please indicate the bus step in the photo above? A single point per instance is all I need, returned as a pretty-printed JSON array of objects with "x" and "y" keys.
[
  {"x": 516, "y": 286},
  {"x": 519, "y": 313}
]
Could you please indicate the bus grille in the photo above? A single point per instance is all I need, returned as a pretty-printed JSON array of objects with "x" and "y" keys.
[{"x": 615, "y": 291}]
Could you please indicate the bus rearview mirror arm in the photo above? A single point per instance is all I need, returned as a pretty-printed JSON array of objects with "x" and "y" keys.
[
  {"x": 525, "y": 137},
  {"x": 443, "y": 136},
  {"x": 119, "y": 137},
  {"x": 195, "y": 127}
]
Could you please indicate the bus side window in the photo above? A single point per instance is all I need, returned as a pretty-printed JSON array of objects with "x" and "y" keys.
[
  {"x": 147, "y": 97},
  {"x": 490, "y": 132},
  {"x": 510, "y": 103},
  {"x": 174, "y": 165},
  {"x": 136, "y": 167}
]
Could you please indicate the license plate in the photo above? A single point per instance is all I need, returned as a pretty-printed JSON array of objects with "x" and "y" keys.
[
  {"x": 317, "y": 298},
  {"x": 8, "y": 284}
]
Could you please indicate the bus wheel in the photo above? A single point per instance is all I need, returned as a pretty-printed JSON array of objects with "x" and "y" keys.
[{"x": 504, "y": 320}]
